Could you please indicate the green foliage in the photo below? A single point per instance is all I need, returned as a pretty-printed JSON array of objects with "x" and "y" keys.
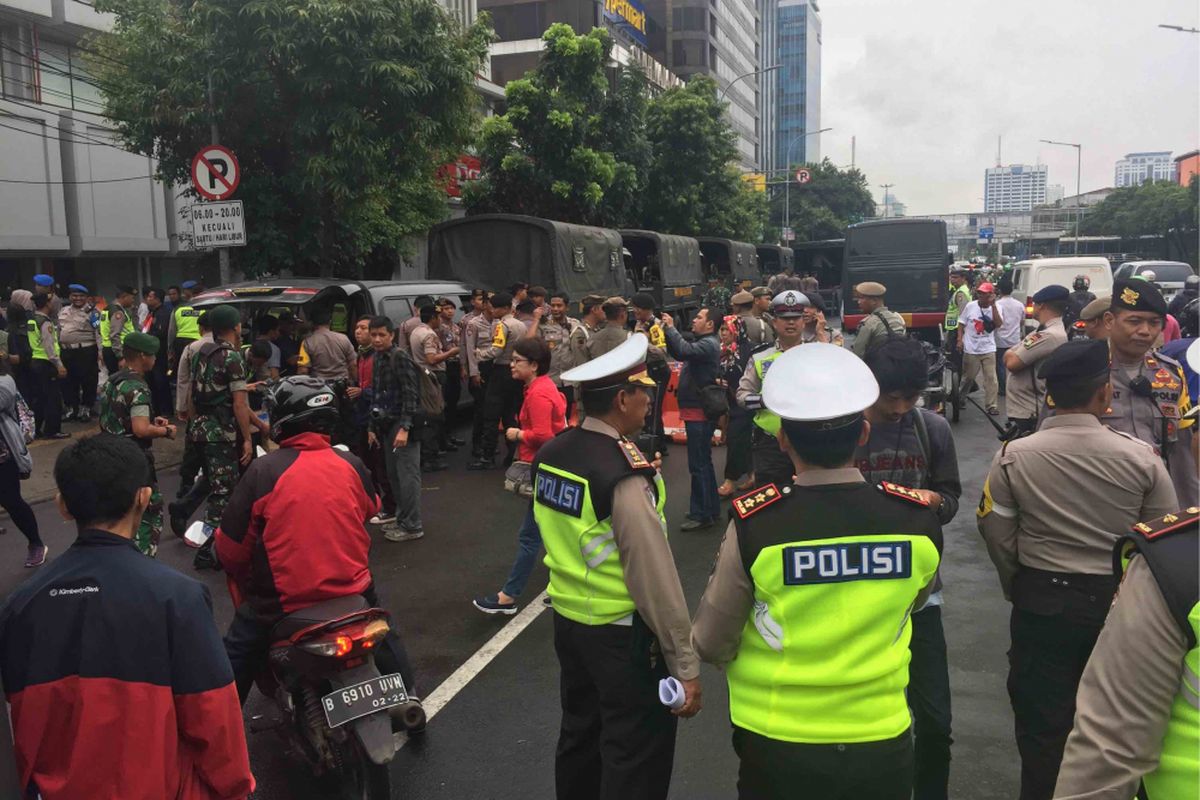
[
  {"x": 1162, "y": 209},
  {"x": 339, "y": 111},
  {"x": 823, "y": 207},
  {"x": 692, "y": 187}
]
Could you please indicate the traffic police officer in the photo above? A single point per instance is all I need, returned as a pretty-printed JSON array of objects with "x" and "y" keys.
[
  {"x": 116, "y": 322},
  {"x": 80, "y": 355},
  {"x": 808, "y": 604},
  {"x": 1150, "y": 396},
  {"x": 646, "y": 322},
  {"x": 1026, "y": 390},
  {"x": 1139, "y": 698},
  {"x": 44, "y": 284},
  {"x": 1052, "y": 507},
  {"x": 48, "y": 370},
  {"x": 183, "y": 328},
  {"x": 960, "y": 295},
  {"x": 621, "y": 622},
  {"x": 771, "y": 463},
  {"x": 879, "y": 320},
  {"x": 125, "y": 411}
]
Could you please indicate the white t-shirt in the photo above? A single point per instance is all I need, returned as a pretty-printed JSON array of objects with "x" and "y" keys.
[
  {"x": 1012, "y": 315},
  {"x": 977, "y": 340}
]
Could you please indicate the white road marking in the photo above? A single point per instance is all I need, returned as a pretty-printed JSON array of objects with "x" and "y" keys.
[{"x": 440, "y": 697}]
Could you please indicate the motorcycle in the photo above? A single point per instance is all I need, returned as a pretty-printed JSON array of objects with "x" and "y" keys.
[{"x": 337, "y": 708}]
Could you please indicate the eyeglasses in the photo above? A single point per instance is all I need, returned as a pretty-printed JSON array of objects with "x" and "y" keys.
[{"x": 520, "y": 360}]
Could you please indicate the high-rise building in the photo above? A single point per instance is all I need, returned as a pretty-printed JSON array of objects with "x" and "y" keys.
[
  {"x": 1017, "y": 187},
  {"x": 720, "y": 39},
  {"x": 791, "y": 106},
  {"x": 1137, "y": 168},
  {"x": 1055, "y": 193}
]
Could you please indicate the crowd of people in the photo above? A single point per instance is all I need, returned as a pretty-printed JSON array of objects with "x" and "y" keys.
[{"x": 839, "y": 495}]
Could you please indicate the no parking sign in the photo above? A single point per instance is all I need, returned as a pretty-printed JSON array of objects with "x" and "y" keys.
[{"x": 215, "y": 172}]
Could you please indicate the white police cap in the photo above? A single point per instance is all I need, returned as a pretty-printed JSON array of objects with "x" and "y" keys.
[
  {"x": 620, "y": 366},
  {"x": 790, "y": 303},
  {"x": 817, "y": 381}
]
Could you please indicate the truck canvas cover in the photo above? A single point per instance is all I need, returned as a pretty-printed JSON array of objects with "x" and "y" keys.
[
  {"x": 736, "y": 259},
  {"x": 496, "y": 250},
  {"x": 678, "y": 257}
]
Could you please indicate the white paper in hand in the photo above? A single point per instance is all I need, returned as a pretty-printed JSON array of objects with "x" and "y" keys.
[{"x": 671, "y": 694}]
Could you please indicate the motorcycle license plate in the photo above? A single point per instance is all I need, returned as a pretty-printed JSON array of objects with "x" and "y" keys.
[{"x": 364, "y": 698}]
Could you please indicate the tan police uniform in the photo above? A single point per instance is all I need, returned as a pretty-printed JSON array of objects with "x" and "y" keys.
[{"x": 1026, "y": 391}]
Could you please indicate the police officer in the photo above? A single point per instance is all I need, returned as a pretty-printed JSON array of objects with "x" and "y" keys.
[
  {"x": 808, "y": 605},
  {"x": 960, "y": 295},
  {"x": 613, "y": 334},
  {"x": 1051, "y": 505},
  {"x": 756, "y": 329},
  {"x": 1026, "y": 389},
  {"x": 125, "y": 410},
  {"x": 116, "y": 322},
  {"x": 502, "y": 398},
  {"x": 1150, "y": 396},
  {"x": 183, "y": 328},
  {"x": 646, "y": 323},
  {"x": 48, "y": 370},
  {"x": 1139, "y": 698},
  {"x": 771, "y": 464},
  {"x": 620, "y": 619},
  {"x": 80, "y": 354},
  {"x": 44, "y": 284},
  {"x": 879, "y": 320},
  {"x": 1092, "y": 317}
]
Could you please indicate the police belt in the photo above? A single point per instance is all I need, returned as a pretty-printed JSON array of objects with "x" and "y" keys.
[
  {"x": 79, "y": 346},
  {"x": 1080, "y": 598}
]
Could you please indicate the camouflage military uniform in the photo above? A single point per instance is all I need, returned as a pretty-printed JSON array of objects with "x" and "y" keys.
[
  {"x": 717, "y": 298},
  {"x": 218, "y": 370},
  {"x": 125, "y": 396}
]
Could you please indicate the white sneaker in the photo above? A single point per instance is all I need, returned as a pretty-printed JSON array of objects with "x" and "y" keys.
[
  {"x": 382, "y": 519},
  {"x": 198, "y": 533}
]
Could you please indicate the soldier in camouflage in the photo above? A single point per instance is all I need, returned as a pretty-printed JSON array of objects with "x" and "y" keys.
[
  {"x": 718, "y": 298},
  {"x": 125, "y": 411},
  {"x": 221, "y": 411}
]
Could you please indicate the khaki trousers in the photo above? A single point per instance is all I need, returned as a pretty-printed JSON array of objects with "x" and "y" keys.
[{"x": 983, "y": 368}]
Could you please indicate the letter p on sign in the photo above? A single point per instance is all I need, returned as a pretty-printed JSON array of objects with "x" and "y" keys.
[{"x": 215, "y": 172}]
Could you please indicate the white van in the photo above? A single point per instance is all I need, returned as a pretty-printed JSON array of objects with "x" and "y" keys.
[{"x": 1031, "y": 276}]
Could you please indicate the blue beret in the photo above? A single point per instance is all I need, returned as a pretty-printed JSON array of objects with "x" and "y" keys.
[
  {"x": 43, "y": 280},
  {"x": 78, "y": 287},
  {"x": 1052, "y": 294},
  {"x": 187, "y": 285}
]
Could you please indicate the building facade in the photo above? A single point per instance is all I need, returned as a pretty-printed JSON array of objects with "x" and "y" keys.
[
  {"x": 791, "y": 107},
  {"x": 1187, "y": 166},
  {"x": 73, "y": 203},
  {"x": 1138, "y": 168},
  {"x": 1016, "y": 187}
]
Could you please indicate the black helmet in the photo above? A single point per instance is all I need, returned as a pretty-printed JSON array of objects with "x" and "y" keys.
[
  {"x": 301, "y": 404},
  {"x": 1082, "y": 282}
]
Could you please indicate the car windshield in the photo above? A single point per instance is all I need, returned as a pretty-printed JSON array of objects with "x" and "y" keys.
[{"x": 1170, "y": 273}]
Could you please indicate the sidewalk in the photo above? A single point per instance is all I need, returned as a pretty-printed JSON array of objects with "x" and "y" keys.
[{"x": 40, "y": 485}]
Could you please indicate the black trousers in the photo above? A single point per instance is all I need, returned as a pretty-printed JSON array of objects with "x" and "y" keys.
[
  {"x": 12, "y": 502},
  {"x": 47, "y": 398},
  {"x": 83, "y": 373},
  {"x": 617, "y": 741},
  {"x": 776, "y": 770},
  {"x": 1055, "y": 622},
  {"x": 478, "y": 395},
  {"x": 568, "y": 393},
  {"x": 433, "y": 431},
  {"x": 189, "y": 468},
  {"x": 929, "y": 699},
  {"x": 501, "y": 404},
  {"x": 160, "y": 389},
  {"x": 771, "y": 464},
  {"x": 177, "y": 352},
  {"x": 249, "y": 638},
  {"x": 452, "y": 393},
  {"x": 739, "y": 443},
  {"x": 111, "y": 362}
]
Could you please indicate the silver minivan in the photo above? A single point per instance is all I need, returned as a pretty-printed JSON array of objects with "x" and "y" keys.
[{"x": 1168, "y": 275}]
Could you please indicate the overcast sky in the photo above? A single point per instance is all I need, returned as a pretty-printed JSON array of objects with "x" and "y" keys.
[{"x": 928, "y": 85}]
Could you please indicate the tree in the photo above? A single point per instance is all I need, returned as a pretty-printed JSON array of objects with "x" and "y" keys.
[
  {"x": 1161, "y": 208},
  {"x": 340, "y": 113},
  {"x": 570, "y": 144},
  {"x": 823, "y": 207},
  {"x": 693, "y": 187}
]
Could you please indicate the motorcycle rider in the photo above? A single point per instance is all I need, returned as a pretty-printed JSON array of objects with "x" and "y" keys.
[
  {"x": 1079, "y": 298},
  {"x": 294, "y": 532},
  {"x": 1191, "y": 289}
]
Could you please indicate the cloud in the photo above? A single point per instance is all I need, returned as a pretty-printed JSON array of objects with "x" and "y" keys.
[{"x": 927, "y": 86}]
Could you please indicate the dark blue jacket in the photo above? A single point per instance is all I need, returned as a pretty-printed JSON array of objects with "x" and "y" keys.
[{"x": 701, "y": 364}]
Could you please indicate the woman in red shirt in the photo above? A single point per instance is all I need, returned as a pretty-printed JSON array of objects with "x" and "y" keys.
[{"x": 543, "y": 416}]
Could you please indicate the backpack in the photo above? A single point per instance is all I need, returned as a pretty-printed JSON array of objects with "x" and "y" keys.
[
  {"x": 25, "y": 419},
  {"x": 433, "y": 402}
]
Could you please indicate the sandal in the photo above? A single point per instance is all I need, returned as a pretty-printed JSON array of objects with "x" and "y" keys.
[{"x": 726, "y": 489}]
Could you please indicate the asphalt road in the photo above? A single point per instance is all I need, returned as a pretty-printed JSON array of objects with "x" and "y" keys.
[{"x": 496, "y": 737}]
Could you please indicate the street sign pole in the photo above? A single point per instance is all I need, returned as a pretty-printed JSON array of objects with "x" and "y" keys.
[{"x": 215, "y": 135}]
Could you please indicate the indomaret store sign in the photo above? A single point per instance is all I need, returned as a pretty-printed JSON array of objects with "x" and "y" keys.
[{"x": 628, "y": 16}]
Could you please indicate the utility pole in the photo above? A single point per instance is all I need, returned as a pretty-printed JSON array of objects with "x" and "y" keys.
[
  {"x": 215, "y": 134},
  {"x": 1078, "y": 193},
  {"x": 885, "y": 187},
  {"x": 853, "y": 143}
]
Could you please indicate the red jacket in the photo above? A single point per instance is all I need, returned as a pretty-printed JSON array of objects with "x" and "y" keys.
[
  {"x": 118, "y": 683},
  {"x": 543, "y": 416},
  {"x": 294, "y": 532}
]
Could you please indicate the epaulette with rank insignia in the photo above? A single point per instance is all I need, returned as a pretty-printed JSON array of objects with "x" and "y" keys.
[
  {"x": 904, "y": 493},
  {"x": 1160, "y": 526},
  {"x": 633, "y": 454},
  {"x": 756, "y": 500}
]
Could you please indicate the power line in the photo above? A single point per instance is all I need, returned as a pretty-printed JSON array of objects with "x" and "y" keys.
[
  {"x": 79, "y": 183},
  {"x": 82, "y": 139}
]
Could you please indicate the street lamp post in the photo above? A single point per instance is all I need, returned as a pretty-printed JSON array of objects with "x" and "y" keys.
[
  {"x": 885, "y": 187},
  {"x": 721, "y": 96},
  {"x": 787, "y": 191},
  {"x": 1078, "y": 194}
]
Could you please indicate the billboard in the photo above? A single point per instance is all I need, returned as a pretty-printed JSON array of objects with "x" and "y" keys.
[
  {"x": 628, "y": 17},
  {"x": 465, "y": 168}
]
